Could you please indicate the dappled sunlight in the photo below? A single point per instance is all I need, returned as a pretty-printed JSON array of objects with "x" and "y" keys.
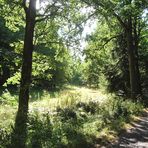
[
  {"x": 137, "y": 134},
  {"x": 7, "y": 115}
]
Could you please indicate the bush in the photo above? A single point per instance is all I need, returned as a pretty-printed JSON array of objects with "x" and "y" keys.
[
  {"x": 90, "y": 107},
  {"x": 39, "y": 130},
  {"x": 67, "y": 113},
  {"x": 5, "y": 137},
  {"x": 7, "y": 98},
  {"x": 50, "y": 131}
]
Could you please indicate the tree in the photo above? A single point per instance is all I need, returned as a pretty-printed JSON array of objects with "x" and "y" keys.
[
  {"x": 50, "y": 10},
  {"x": 123, "y": 12},
  {"x": 19, "y": 136}
]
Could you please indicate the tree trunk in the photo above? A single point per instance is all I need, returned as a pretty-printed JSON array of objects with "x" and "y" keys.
[
  {"x": 136, "y": 42},
  {"x": 134, "y": 81},
  {"x": 146, "y": 67},
  {"x": 20, "y": 133},
  {"x": 124, "y": 63}
]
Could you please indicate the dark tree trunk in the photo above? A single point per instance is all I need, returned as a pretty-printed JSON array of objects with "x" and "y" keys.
[
  {"x": 134, "y": 80},
  {"x": 19, "y": 135},
  {"x": 136, "y": 43},
  {"x": 124, "y": 63},
  {"x": 146, "y": 67}
]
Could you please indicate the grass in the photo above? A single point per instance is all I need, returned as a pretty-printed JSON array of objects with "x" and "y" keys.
[
  {"x": 45, "y": 101},
  {"x": 66, "y": 97},
  {"x": 7, "y": 114},
  {"x": 72, "y": 117}
]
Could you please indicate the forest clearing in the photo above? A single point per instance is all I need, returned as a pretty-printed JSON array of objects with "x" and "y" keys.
[
  {"x": 73, "y": 73},
  {"x": 92, "y": 112}
]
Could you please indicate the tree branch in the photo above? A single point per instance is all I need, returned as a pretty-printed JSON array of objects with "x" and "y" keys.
[
  {"x": 52, "y": 14},
  {"x": 109, "y": 9},
  {"x": 45, "y": 15},
  {"x": 108, "y": 40},
  {"x": 119, "y": 19}
]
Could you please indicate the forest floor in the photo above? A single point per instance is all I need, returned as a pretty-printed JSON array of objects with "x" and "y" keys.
[
  {"x": 102, "y": 127},
  {"x": 137, "y": 135},
  {"x": 47, "y": 101}
]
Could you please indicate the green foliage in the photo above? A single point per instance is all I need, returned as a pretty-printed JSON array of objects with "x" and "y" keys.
[
  {"x": 78, "y": 78},
  {"x": 107, "y": 46},
  {"x": 13, "y": 80},
  {"x": 101, "y": 57},
  {"x": 7, "y": 53},
  {"x": 51, "y": 60},
  {"x": 5, "y": 137},
  {"x": 51, "y": 69},
  {"x": 8, "y": 98},
  {"x": 40, "y": 130}
]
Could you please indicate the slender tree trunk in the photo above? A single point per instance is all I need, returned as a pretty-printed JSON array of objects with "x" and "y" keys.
[{"x": 19, "y": 135}]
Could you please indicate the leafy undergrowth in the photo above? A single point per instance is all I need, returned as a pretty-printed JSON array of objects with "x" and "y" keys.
[{"x": 75, "y": 123}]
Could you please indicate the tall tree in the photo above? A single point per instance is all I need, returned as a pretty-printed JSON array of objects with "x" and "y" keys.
[
  {"x": 123, "y": 12},
  {"x": 49, "y": 10},
  {"x": 19, "y": 136}
]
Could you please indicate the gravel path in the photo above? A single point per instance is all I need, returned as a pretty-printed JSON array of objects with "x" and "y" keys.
[{"x": 137, "y": 136}]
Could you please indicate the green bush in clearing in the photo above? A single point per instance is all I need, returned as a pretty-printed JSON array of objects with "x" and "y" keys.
[{"x": 7, "y": 98}]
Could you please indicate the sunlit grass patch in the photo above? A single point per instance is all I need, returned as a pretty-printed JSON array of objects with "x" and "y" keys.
[
  {"x": 69, "y": 96},
  {"x": 7, "y": 115},
  {"x": 9, "y": 98}
]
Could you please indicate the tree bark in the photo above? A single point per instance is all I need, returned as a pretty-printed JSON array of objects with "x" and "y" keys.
[
  {"x": 20, "y": 133},
  {"x": 136, "y": 43},
  {"x": 133, "y": 67}
]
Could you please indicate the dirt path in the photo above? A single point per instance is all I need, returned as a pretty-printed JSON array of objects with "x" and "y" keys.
[{"x": 137, "y": 136}]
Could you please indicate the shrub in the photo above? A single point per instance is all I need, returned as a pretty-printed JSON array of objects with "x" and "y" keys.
[
  {"x": 7, "y": 98},
  {"x": 67, "y": 113},
  {"x": 39, "y": 130},
  {"x": 5, "y": 137}
]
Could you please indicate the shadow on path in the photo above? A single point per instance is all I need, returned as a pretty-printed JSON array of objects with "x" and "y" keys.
[{"x": 135, "y": 137}]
